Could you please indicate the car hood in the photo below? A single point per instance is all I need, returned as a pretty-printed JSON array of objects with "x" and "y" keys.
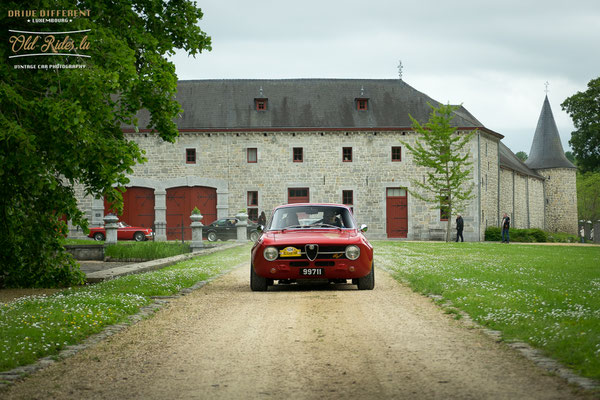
[{"x": 318, "y": 236}]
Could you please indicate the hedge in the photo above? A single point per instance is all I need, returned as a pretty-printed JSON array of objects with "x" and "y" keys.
[{"x": 533, "y": 235}]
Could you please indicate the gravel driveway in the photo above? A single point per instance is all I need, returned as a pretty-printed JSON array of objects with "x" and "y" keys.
[{"x": 307, "y": 342}]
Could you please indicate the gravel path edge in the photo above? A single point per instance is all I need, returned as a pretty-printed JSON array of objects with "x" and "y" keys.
[
  {"x": 12, "y": 376},
  {"x": 536, "y": 356}
]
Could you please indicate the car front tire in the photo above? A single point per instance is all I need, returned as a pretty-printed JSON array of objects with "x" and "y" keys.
[
  {"x": 139, "y": 237},
  {"x": 257, "y": 283},
  {"x": 212, "y": 236},
  {"x": 98, "y": 236},
  {"x": 367, "y": 282}
]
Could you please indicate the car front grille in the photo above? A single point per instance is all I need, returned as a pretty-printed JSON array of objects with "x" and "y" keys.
[{"x": 325, "y": 253}]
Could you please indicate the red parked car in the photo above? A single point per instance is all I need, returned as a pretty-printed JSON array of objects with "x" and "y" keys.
[
  {"x": 124, "y": 232},
  {"x": 312, "y": 241}
]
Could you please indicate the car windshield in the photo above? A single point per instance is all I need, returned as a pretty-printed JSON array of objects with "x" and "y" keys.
[{"x": 306, "y": 217}]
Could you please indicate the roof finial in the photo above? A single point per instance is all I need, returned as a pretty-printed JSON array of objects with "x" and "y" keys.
[
  {"x": 546, "y": 90},
  {"x": 400, "y": 69}
]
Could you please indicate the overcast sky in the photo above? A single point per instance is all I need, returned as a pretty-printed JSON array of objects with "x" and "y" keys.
[{"x": 493, "y": 57}]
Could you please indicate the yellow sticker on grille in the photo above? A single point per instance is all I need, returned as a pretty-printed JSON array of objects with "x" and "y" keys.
[{"x": 289, "y": 252}]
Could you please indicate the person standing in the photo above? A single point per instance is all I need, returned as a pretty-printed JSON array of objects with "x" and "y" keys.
[
  {"x": 262, "y": 219},
  {"x": 460, "y": 224},
  {"x": 505, "y": 227}
]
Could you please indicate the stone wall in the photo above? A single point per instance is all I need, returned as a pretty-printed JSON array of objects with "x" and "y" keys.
[
  {"x": 561, "y": 199},
  {"x": 520, "y": 217},
  {"x": 221, "y": 162},
  {"x": 521, "y": 197},
  {"x": 222, "y": 156},
  {"x": 506, "y": 193},
  {"x": 536, "y": 203},
  {"x": 489, "y": 166}
]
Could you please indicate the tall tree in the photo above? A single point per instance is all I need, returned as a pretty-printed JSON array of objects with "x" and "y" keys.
[
  {"x": 588, "y": 196},
  {"x": 584, "y": 109},
  {"x": 60, "y": 128},
  {"x": 521, "y": 155},
  {"x": 445, "y": 154}
]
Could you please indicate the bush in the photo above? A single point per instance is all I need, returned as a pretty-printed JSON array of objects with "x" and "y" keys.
[
  {"x": 533, "y": 235},
  {"x": 493, "y": 234},
  {"x": 560, "y": 237},
  {"x": 32, "y": 253}
]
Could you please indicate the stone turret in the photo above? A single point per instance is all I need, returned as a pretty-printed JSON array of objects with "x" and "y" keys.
[{"x": 547, "y": 158}]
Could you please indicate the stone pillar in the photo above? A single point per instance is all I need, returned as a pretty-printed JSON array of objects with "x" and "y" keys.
[
  {"x": 597, "y": 232},
  {"x": 222, "y": 203},
  {"x": 587, "y": 229},
  {"x": 196, "y": 225},
  {"x": 110, "y": 226},
  {"x": 97, "y": 211},
  {"x": 160, "y": 215},
  {"x": 242, "y": 233}
]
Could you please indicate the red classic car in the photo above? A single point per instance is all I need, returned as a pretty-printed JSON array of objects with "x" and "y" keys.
[
  {"x": 312, "y": 241},
  {"x": 124, "y": 232}
]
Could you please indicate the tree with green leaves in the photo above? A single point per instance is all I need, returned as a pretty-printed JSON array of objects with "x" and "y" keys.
[
  {"x": 60, "y": 128},
  {"x": 588, "y": 196},
  {"x": 521, "y": 155},
  {"x": 584, "y": 110},
  {"x": 445, "y": 154},
  {"x": 571, "y": 157}
]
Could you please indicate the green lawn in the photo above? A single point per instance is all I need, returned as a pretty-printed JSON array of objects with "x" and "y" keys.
[
  {"x": 37, "y": 326},
  {"x": 149, "y": 250},
  {"x": 547, "y": 296}
]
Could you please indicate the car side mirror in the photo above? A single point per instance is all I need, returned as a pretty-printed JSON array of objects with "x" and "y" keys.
[
  {"x": 260, "y": 229},
  {"x": 364, "y": 228}
]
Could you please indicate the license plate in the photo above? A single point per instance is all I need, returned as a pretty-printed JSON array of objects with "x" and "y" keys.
[{"x": 312, "y": 271}]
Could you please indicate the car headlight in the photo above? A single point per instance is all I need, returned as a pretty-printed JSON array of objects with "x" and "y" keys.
[
  {"x": 270, "y": 253},
  {"x": 352, "y": 252}
]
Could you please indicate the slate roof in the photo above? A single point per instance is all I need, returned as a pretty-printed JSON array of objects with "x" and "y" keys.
[
  {"x": 304, "y": 103},
  {"x": 546, "y": 149},
  {"x": 510, "y": 161}
]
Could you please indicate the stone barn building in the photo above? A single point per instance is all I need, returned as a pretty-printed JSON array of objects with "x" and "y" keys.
[{"x": 254, "y": 144}]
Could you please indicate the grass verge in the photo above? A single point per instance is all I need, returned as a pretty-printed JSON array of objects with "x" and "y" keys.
[
  {"x": 547, "y": 296},
  {"x": 146, "y": 250},
  {"x": 81, "y": 242},
  {"x": 38, "y": 326}
]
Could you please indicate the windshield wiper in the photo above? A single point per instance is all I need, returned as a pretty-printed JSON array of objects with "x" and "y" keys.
[
  {"x": 292, "y": 227},
  {"x": 327, "y": 226}
]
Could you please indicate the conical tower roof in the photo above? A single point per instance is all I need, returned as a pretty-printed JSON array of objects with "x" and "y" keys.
[{"x": 546, "y": 149}]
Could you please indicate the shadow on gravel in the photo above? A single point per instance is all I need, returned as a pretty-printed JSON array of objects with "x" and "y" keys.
[{"x": 310, "y": 286}]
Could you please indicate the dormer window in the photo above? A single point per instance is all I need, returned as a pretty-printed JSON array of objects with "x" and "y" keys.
[
  {"x": 261, "y": 104},
  {"x": 362, "y": 104}
]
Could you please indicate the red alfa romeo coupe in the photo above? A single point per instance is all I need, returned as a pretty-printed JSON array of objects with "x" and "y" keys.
[{"x": 312, "y": 241}]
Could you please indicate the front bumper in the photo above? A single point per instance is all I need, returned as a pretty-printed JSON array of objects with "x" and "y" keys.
[{"x": 332, "y": 269}]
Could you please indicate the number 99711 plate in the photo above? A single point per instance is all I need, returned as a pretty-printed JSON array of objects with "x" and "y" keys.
[{"x": 312, "y": 271}]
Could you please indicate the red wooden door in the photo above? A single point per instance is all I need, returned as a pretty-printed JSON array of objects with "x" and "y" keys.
[
  {"x": 397, "y": 213},
  {"x": 138, "y": 207},
  {"x": 180, "y": 203}
]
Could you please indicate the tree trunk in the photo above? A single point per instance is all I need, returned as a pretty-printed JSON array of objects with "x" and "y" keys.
[{"x": 448, "y": 227}]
